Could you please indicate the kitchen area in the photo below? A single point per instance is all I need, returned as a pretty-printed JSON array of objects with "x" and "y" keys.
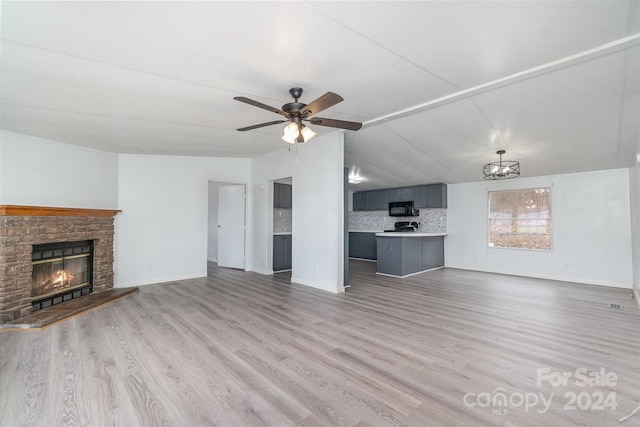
[
  {"x": 402, "y": 229},
  {"x": 282, "y": 225}
]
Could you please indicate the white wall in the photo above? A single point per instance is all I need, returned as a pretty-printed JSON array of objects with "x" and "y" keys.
[
  {"x": 634, "y": 180},
  {"x": 161, "y": 234},
  {"x": 317, "y": 172},
  {"x": 41, "y": 172},
  {"x": 591, "y": 229},
  {"x": 1, "y": 161}
]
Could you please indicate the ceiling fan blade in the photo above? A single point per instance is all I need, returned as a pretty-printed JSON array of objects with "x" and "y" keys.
[
  {"x": 260, "y": 105},
  {"x": 327, "y": 100},
  {"x": 261, "y": 125},
  {"x": 342, "y": 124}
]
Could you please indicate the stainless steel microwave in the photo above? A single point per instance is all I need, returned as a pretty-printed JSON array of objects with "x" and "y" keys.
[{"x": 402, "y": 209}]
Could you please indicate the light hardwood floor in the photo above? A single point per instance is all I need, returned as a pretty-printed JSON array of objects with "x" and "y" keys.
[{"x": 242, "y": 349}]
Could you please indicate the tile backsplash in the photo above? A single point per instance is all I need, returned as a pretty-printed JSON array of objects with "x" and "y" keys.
[
  {"x": 282, "y": 220},
  {"x": 431, "y": 220}
]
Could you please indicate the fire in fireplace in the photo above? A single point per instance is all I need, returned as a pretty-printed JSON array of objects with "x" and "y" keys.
[{"x": 61, "y": 272}]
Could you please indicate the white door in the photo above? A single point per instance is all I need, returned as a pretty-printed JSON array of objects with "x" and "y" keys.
[{"x": 231, "y": 218}]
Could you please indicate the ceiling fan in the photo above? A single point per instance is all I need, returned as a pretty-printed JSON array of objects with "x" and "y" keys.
[{"x": 296, "y": 113}]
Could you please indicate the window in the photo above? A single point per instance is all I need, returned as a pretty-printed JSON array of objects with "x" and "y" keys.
[{"x": 520, "y": 219}]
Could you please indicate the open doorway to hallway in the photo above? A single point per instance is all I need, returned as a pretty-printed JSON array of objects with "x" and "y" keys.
[{"x": 226, "y": 224}]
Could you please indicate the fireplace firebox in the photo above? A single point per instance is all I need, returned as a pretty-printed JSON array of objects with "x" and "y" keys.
[{"x": 61, "y": 272}]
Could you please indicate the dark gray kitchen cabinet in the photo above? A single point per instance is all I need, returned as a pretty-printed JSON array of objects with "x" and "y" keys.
[
  {"x": 399, "y": 256},
  {"x": 394, "y": 194},
  {"x": 374, "y": 200},
  {"x": 355, "y": 245},
  {"x": 369, "y": 246},
  {"x": 282, "y": 252},
  {"x": 360, "y": 201},
  {"x": 422, "y": 197},
  {"x": 282, "y": 198},
  {"x": 404, "y": 255},
  {"x": 377, "y": 200},
  {"x": 407, "y": 194},
  {"x": 363, "y": 245},
  {"x": 404, "y": 194},
  {"x": 431, "y": 196},
  {"x": 432, "y": 252},
  {"x": 437, "y": 196}
]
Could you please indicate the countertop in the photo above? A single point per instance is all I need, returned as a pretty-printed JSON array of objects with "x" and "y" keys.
[
  {"x": 409, "y": 234},
  {"x": 282, "y": 233},
  {"x": 366, "y": 231}
]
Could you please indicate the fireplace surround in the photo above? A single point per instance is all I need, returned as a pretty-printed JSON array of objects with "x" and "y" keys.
[{"x": 23, "y": 227}]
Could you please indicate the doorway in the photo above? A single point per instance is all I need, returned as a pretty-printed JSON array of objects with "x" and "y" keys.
[
  {"x": 226, "y": 224},
  {"x": 282, "y": 225}
]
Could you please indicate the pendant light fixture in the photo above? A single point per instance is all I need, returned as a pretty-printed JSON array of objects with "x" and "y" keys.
[{"x": 503, "y": 169}]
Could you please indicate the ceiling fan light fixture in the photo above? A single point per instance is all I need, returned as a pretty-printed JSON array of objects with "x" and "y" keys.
[
  {"x": 291, "y": 130},
  {"x": 502, "y": 169},
  {"x": 307, "y": 133},
  {"x": 295, "y": 112},
  {"x": 288, "y": 140},
  {"x": 291, "y": 133}
]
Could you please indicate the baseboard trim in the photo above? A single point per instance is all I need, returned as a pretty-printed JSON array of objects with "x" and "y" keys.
[
  {"x": 542, "y": 276},
  {"x": 265, "y": 272},
  {"x": 320, "y": 286},
  {"x": 409, "y": 275},
  {"x": 160, "y": 280}
]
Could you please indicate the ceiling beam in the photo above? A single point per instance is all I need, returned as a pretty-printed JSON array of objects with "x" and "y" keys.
[{"x": 568, "y": 61}]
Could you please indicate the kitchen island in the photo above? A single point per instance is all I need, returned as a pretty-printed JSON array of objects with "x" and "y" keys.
[{"x": 402, "y": 254}]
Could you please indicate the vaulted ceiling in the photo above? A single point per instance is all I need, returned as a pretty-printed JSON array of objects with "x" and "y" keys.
[{"x": 440, "y": 86}]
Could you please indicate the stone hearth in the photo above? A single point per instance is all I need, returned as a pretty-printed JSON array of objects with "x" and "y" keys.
[{"x": 21, "y": 227}]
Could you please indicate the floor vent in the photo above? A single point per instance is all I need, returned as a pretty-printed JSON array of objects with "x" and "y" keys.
[{"x": 616, "y": 306}]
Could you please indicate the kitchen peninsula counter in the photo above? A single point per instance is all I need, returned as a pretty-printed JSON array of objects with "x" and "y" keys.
[
  {"x": 402, "y": 254},
  {"x": 409, "y": 234}
]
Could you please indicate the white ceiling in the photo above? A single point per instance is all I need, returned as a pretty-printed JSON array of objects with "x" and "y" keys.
[{"x": 440, "y": 86}]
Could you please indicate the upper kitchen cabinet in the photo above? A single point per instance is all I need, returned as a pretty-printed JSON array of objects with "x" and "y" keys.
[
  {"x": 424, "y": 196},
  {"x": 431, "y": 196},
  {"x": 360, "y": 201},
  {"x": 401, "y": 194},
  {"x": 282, "y": 196},
  {"x": 374, "y": 200},
  {"x": 377, "y": 200},
  {"x": 437, "y": 196}
]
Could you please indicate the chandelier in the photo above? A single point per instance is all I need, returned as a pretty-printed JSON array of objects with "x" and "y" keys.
[{"x": 503, "y": 169}]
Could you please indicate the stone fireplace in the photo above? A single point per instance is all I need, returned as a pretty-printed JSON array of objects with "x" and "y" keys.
[{"x": 54, "y": 229}]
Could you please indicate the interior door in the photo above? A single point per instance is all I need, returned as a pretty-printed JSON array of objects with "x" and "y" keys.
[{"x": 231, "y": 219}]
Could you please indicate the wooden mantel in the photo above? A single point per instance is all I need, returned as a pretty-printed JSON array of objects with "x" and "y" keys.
[{"x": 17, "y": 210}]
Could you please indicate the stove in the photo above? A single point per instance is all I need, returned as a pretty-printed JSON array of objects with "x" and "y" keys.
[{"x": 404, "y": 227}]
